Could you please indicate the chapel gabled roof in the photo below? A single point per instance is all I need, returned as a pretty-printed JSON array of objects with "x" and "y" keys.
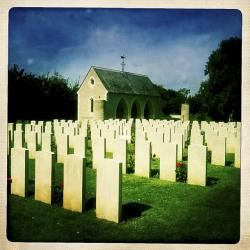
[{"x": 126, "y": 83}]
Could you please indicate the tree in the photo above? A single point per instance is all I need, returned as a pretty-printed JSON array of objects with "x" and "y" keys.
[
  {"x": 43, "y": 97},
  {"x": 220, "y": 95},
  {"x": 172, "y": 99},
  {"x": 185, "y": 93}
]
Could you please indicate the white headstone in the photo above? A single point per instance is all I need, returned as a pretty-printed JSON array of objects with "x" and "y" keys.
[
  {"x": 237, "y": 155},
  {"x": 80, "y": 147},
  {"x": 168, "y": 159},
  {"x": 177, "y": 138},
  {"x": 120, "y": 153},
  {"x": 98, "y": 151},
  {"x": 218, "y": 151},
  {"x": 74, "y": 183},
  {"x": 32, "y": 144},
  {"x": 109, "y": 190},
  {"x": 197, "y": 165},
  {"x": 18, "y": 139},
  {"x": 19, "y": 171},
  {"x": 44, "y": 176},
  {"x": 46, "y": 142},
  {"x": 62, "y": 147},
  {"x": 143, "y": 154}
]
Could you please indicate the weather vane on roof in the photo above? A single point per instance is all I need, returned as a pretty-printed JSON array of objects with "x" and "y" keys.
[{"x": 123, "y": 62}]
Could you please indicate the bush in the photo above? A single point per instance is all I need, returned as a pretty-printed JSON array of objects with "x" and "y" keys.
[{"x": 181, "y": 172}]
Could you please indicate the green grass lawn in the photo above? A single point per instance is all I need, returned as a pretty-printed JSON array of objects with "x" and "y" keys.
[{"x": 153, "y": 210}]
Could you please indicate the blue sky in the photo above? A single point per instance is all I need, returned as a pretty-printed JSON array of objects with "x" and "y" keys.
[{"x": 170, "y": 46}]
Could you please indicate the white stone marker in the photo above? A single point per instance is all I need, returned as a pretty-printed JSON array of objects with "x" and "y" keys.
[
  {"x": 177, "y": 138},
  {"x": 218, "y": 151},
  {"x": 74, "y": 183},
  {"x": 19, "y": 171},
  {"x": 18, "y": 139},
  {"x": 81, "y": 144},
  {"x": 62, "y": 147},
  {"x": 19, "y": 127},
  {"x": 44, "y": 175},
  {"x": 120, "y": 153},
  {"x": 143, "y": 154},
  {"x": 197, "y": 138},
  {"x": 197, "y": 165},
  {"x": 11, "y": 129},
  {"x": 109, "y": 190},
  {"x": 237, "y": 155},
  {"x": 98, "y": 151},
  {"x": 46, "y": 142},
  {"x": 230, "y": 145},
  {"x": 27, "y": 130},
  {"x": 39, "y": 130},
  {"x": 168, "y": 159},
  {"x": 32, "y": 141}
]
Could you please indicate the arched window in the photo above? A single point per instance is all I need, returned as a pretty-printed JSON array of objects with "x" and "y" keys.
[{"x": 91, "y": 105}]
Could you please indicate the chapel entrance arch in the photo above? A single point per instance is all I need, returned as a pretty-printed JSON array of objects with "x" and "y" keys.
[
  {"x": 135, "y": 110},
  {"x": 122, "y": 110},
  {"x": 148, "y": 111}
]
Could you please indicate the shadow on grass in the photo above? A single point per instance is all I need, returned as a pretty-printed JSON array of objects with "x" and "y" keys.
[
  {"x": 229, "y": 160},
  {"x": 90, "y": 204},
  {"x": 31, "y": 188},
  {"x": 133, "y": 210},
  {"x": 184, "y": 158},
  {"x": 211, "y": 181},
  {"x": 130, "y": 170},
  {"x": 229, "y": 163},
  {"x": 155, "y": 173}
]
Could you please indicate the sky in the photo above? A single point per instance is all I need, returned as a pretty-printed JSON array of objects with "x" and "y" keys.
[{"x": 171, "y": 46}]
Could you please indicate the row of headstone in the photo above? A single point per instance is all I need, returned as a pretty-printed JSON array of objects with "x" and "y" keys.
[
  {"x": 30, "y": 138},
  {"x": 109, "y": 171},
  {"x": 197, "y": 161},
  {"x": 108, "y": 183},
  {"x": 159, "y": 132},
  {"x": 221, "y": 138}
]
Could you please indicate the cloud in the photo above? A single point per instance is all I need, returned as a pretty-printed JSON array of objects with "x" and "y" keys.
[
  {"x": 170, "y": 46},
  {"x": 30, "y": 61}
]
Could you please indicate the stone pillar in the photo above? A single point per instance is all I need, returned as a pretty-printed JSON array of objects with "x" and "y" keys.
[
  {"x": 184, "y": 112},
  {"x": 109, "y": 190}
]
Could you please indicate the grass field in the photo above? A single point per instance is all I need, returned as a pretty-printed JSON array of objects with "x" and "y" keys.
[{"x": 153, "y": 210}]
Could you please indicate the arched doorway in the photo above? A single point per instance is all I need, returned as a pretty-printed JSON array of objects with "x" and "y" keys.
[
  {"x": 135, "y": 110},
  {"x": 122, "y": 110},
  {"x": 148, "y": 111}
]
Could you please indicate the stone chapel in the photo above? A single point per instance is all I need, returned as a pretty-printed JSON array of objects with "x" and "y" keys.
[{"x": 107, "y": 93}]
